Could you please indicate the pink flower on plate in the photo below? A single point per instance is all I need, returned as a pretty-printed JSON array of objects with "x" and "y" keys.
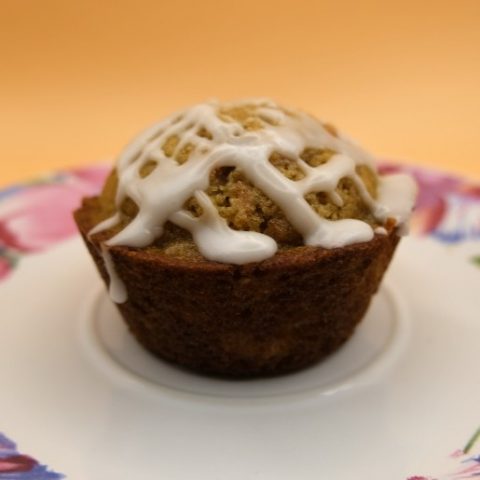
[
  {"x": 433, "y": 207},
  {"x": 16, "y": 464},
  {"x": 93, "y": 175},
  {"x": 5, "y": 268},
  {"x": 36, "y": 216}
]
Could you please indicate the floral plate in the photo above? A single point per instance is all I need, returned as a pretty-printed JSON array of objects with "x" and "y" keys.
[{"x": 400, "y": 401}]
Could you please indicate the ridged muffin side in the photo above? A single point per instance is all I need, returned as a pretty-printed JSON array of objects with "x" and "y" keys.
[{"x": 257, "y": 319}]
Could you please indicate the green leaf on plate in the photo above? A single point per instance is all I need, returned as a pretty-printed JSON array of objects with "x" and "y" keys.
[{"x": 472, "y": 441}]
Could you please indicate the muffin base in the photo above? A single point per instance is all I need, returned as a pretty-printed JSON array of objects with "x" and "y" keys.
[{"x": 244, "y": 321}]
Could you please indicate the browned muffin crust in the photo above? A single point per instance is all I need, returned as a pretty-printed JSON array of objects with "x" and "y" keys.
[{"x": 258, "y": 319}]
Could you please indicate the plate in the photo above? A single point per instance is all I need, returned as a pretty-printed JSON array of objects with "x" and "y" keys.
[{"x": 400, "y": 400}]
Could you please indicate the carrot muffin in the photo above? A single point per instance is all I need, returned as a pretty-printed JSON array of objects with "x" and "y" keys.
[{"x": 244, "y": 239}]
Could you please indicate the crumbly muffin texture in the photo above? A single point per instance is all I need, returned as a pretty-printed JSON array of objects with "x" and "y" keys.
[{"x": 238, "y": 201}]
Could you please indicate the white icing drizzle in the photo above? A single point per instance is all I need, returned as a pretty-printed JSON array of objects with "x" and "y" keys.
[
  {"x": 380, "y": 231},
  {"x": 117, "y": 290},
  {"x": 216, "y": 241},
  {"x": 161, "y": 194}
]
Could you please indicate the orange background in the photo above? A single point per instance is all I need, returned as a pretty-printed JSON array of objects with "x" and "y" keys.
[{"x": 79, "y": 78}]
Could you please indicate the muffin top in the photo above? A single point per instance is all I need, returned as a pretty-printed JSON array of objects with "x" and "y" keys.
[{"x": 236, "y": 181}]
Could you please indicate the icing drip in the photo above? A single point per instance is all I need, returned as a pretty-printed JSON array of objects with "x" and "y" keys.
[
  {"x": 117, "y": 290},
  {"x": 161, "y": 195},
  {"x": 216, "y": 241}
]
